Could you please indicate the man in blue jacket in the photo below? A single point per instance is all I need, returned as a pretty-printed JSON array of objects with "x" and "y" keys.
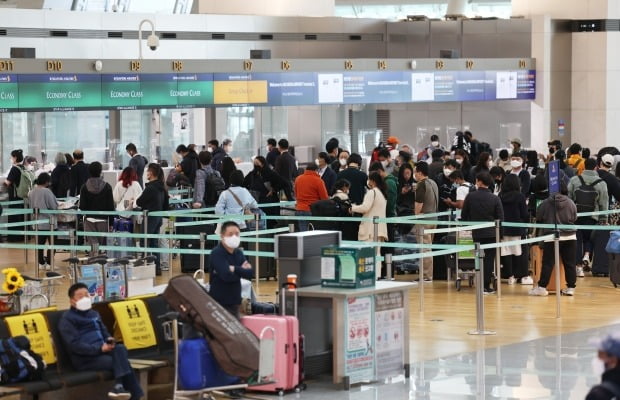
[
  {"x": 227, "y": 266},
  {"x": 91, "y": 347}
]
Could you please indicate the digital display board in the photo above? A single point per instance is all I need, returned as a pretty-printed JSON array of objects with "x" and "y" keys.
[
  {"x": 59, "y": 92},
  {"x": 122, "y": 91},
  {"x": 9, "y": 95}
]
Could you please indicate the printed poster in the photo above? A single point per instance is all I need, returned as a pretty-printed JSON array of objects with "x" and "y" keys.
[
  {"x": 389, "y": 334},
  {"x": 359, "y": 339}
]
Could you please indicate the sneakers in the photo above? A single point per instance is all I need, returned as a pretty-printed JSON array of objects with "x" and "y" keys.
[
  {"x": 42, "y": 266},
  {"x": 580, "y": 273},
  {"x": 568, "y": 291},
  {"x": 539, "y": 291},
  {"x": 428, "y": 280},
  {"x": 488, "y": 291},
  {"x": 512, "y": 280},
  {"x": 586, "y": 263},
  {"x": 527, "y": 280},
  {"x": 118, "y": 392}
]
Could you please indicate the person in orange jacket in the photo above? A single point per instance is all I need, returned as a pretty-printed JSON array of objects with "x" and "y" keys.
[{"x": 309, "y": 187}]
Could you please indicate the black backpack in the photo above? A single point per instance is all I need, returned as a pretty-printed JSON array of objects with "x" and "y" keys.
[
  {"x": 214, "y": 186},
  {"x": 333, "y": 207},
  {"x": 18, "y": 362},
  {"x": 586, "y": 195}
]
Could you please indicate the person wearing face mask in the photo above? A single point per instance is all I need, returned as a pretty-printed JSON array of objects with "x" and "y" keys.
[
  {"x": 385, "y": 158},
  {"x": 427, "y": 152},
  {"x": 340, "y": 164},
  {"x": 607, "y": 363},
  {"x": 189, "y": 165},
  {"x": 272, "y": 152},
  {"x": 462, "y": 159},
  {"x": 516, "y": 162},
  {"x": 227, "y": 265},
  {"x": 444, "y": 185},
  {"x": 460, "y": 189},
  {"x": 436, "y": 167},
  {"x": 92, "y": 348},
  {"x": 332, "y": 150},
  {"x": 220, "y": 153},
  {"x": 485, "y": 163},
  {"x": 309, "y": 188},
  {"x": 264, "y": 185},
  {"x": 498, "y": 174},
  {"x": 325, "y": 172}
]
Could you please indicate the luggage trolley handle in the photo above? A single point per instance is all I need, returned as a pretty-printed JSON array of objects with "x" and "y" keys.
[{"x": 283, "y": 290}]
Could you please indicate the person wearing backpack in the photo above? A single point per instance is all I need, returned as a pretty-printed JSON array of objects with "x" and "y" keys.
[
  {"x": 607, "y": 363},
  {"x": 575, "y": 160},
  {"x": 208, "y": 184},
  {"x": 589, "y": 192},
  {"x": 264, "y": 184},
  {"x": 12, "y": 182}
]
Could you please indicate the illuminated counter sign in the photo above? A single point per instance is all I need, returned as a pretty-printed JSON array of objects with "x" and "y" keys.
[
  {"x": 460, "y": 86},
  {"x": 376, "y": 87},
  {"x": 238, "y": 88},
  {"x": 194, "y": 90},
  {"x": 511, "y": 85},
  {"x": 289, "y": 88},
  {"x": 121, "y": 91},
  {"x": 59, "y": 92},
  {"x": 8, "y": 93},
  {"x": 159, "y": 90}
]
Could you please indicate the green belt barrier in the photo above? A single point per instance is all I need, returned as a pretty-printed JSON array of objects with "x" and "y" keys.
[
  {"x": 404, "y": 219},
  {"x": 461, "y": 228},
  {"x": 180, "y": 201},
  {"x": 11, "y": 203},
  {"x": 264, "y": 232},
  {"x": 414, "y": 246},
  {"x": 94, "y": 213},
  {"x": 17, "y": 211},
  {"x": 562, "y": 227},
  {"x": 310, "y": 218},
  {"x": 35, "y": 233},
  {"x": 222, "y": 219},
  {"x": 25, "y": 223},
  {"x": 43, "y": 246}
]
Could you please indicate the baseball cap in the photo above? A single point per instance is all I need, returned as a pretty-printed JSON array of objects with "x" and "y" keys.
[
  {"x": 393, "y": 140},
  {"x": 516, "y": 140},
  {"x": 607, "y": 160},
  {"x": 610, "y": 345}
]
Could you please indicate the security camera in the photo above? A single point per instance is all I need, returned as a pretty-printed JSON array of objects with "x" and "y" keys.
[{"x": 152, "y": 41}]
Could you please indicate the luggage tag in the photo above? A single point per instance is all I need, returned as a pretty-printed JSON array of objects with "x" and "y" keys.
[{"x": 266, "y": 360}]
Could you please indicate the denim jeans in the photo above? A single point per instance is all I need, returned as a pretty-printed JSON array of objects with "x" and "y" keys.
[{"x": 302, "y": 225}]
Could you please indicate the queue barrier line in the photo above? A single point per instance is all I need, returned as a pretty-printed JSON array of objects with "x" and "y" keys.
[
  {"x": 596, "y": 213},
  {"x": 25, "y": 223},
  {"x": 517, "y": 242},
  {"x": 17, "y": 211},
  {"x": 460, "y": 228},
  {"x": 221, "y": 219},
  {"x": 11, "y": 203},
  {"x": 413, "y": 246},
  {"x": 596, "y": 227},
  {"x": 35, "y": 233}
]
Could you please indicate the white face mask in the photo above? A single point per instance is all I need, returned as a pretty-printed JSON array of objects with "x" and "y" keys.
[
  {"x": 489, "y": 164},
  {"x": 384, "y": 163},
  {"x": 228, "y": 149},
  {"x": 232, "y": 241},
  {"x": 343, "y": 161},
  {"x": 515, "y": 163},
  {"x": 84, "y": 304},
  {"x": 598, "y": 366},
  {"x": 210, "y": 149},
  {"x": 447, "y": 172},
  {"x": 317, "y": 161},
  {"x": 435, "y": 144},
  {"x": 459, "y": 160}
]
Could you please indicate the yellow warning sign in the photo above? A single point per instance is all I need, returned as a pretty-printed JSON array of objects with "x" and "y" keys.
[
  {"x": 34, "y": 326},
  {"x": 134, "y": 322}
]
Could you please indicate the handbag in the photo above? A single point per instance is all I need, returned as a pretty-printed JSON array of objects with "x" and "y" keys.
[
  {"x": 247, "y": 210},
  {"x": 613, "y": 244}
]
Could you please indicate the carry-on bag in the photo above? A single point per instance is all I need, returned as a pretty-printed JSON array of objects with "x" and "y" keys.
[
  {"x": 600, "y": 260},
  {"x": 197, "y": 367},
  {"x": 614, "y": 268},
  {"x": 235, "y": 348},
  {"x": 536, "y": 255},
  {"x": 122, "y": 225},
  {"x": 287, "y": 351}
]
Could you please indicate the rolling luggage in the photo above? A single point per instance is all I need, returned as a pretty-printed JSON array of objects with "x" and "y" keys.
[
  {"x": 122, "y": 225},
  {"x": 600, "y": 260},
  {"x": 198, "y": 369},
  {"x": 536, "y": 257},
  {"x": 614, "y": 268},
  {"x": 405, "y": 266},
  {"x": 191, "y": 262},
  {"x": 235, "y": 348},
  {"x": 119, "y": 242}
]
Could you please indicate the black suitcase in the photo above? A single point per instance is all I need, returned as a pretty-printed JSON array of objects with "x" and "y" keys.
[
  {"x": 614, "y": 268},
  {"x": 405, "y": 266},
  {"x": 235, "y": 348},
  {"x": 191, "y": 262},
  {"x": 600, "y": 264},
  {"x": 521, "y": 266}
]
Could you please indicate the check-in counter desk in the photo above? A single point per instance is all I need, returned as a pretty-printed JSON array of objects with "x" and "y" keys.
[{"x": 358, "y": 335}]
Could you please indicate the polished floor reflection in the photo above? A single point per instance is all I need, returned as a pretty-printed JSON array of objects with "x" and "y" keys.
[{"x": 558, "y": 367}]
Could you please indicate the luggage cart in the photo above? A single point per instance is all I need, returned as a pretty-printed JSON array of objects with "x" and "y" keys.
[
  {"x": 266, "y": 365},
  {"x": 39, "y": 292},
  {"x": 464, "y": 238}
]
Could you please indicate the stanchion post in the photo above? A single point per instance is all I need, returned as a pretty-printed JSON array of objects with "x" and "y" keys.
[
  {"x": 291, "y": 228},
  {"x": 203, "y": 238},
  {"x": 498, "y": 261},
  {"x": 256, "y": 258},
  {"x": 145, "y": 225},
  {"x": 36, "y": 241},
  {"x": 26, "y": 237},
  {"x": 375, "y": 238},
  {"x": 479, "y": 260},
  {"x": 73, "y": 254},
  {"x": 420, "y": 235},
  {"x": 558, "y": 294},
  {"x": 388, "y": 266},
  {"x": 52, "y": 251}
]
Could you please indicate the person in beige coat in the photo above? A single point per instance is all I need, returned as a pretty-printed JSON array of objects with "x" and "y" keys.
[{"x": 374, "y": 205}]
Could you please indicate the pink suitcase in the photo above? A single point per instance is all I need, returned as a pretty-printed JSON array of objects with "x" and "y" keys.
[{"x": 286, "y": 350}]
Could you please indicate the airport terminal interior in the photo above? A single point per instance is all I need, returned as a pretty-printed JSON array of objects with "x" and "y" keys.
[{"x": 531, "y": 78}]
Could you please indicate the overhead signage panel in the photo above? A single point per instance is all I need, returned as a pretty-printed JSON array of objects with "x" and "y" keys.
[
  {"x": 9, "y": 94},
  {"x": 121, "y": 91},
  {"x": 194, "y": 90},
  {"x": 238, "y": 89},
  {"x": 376, "y": 87},
  {"x": 290, "y": 88},
  {"x": 59, "y": 92}
]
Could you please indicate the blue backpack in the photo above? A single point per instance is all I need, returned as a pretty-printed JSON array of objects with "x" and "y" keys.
[
  {"x": 613, "y": 244},
  {"x": 18, "y": 362}
]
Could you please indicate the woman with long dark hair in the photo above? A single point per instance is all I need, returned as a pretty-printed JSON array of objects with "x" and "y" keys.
[
  {"x": 485, "y": 163},
  {"x": 127, "y": 190},
  {"x": 12, "y": 182},
  {"x": 515, "y": 210},
  {"x": 228, "y": 166},
  {"x": 374, "y": 205},
  {"x": 154, "y": 198},
  {"x": 264, "y": 185},
  {"x": 462, "y": 158}
]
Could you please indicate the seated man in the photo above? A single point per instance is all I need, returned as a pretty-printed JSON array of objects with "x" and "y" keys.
[{"x": 91, "y": 347}]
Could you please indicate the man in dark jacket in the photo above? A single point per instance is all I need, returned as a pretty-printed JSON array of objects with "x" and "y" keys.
[
  {"x": 516, "y": 163},
  {"x": 272, "y": 152},
  {"x": 558, "y": 209},
  {"x": 326, "y": 172},
  {"x": 79, "y": 173},
  {"x": 609, "y": 359},
  {"x": 189, "y": 164},
  {"x": 92, "y": 348},
  {"x": 137, "y": 161},
  {"x": 227, "y": 266},
  {"x": 436, "y": 167},
  {"x": 286, "y": 167},
  {"x": 96, "y": 195},
  {"x": 356, "y": 178},
  {"x": 483, "y": 206},
  {"x": 219, "y": 153},
  {"x": 613, "y": 183}
]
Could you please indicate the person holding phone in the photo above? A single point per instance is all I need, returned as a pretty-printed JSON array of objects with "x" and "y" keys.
[{"x": 92, "y": 348}]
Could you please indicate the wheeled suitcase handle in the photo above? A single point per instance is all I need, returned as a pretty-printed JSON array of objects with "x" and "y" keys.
[{"x": 283, "y": 290}]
